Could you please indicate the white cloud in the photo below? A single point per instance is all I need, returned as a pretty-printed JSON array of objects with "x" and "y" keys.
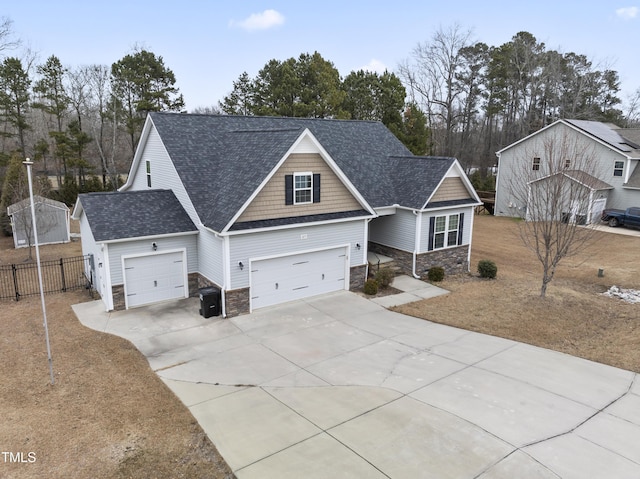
[
  {"x": 627, "y": 13},
  {"x": 260, "y": 21},
  {"x": 375, "y": 66}
]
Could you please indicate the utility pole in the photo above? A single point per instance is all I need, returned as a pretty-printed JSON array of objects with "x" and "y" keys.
[{"x": 29, "y": 164}]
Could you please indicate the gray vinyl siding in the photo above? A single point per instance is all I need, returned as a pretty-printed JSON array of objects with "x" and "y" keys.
[
  {"x": 624, "y": 198},
  {"x": 163, "y": 173},
  {"x": 211, "y": 254},
  {"x": 290, "y": 241},
  {"x": 396, "y": 231},
  {"x": 117, "y": 250},
  {"x": 89, "y": 247},
  {"x": 466, "y": 225}
]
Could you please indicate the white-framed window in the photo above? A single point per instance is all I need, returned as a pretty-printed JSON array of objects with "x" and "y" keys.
[
  {"x": 148, "y": 166},
  {"x": 302, "y": 188},
  {"x": 567, "y": 164},
  {"x": 445, "y": 232},
  {"x": 536, "y": 164},
  {"x": 618, "y": 168}
]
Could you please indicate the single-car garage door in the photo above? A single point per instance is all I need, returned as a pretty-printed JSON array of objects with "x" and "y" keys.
[
  {"x": 152, "y": 278},
  {"x": 286, "y": 278}
]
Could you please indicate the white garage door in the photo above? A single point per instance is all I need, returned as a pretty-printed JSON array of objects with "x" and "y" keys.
[
  {"x": 596, "y": 211},
  {"x": 153, "y": 278},
  {"x": 286, "y": 278}
]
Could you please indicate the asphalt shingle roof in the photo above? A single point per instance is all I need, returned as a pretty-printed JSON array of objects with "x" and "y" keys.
[
  {"x": 416, "y": 177},
  {"x": 222, "y": 160},
  {"x": 581, "y": 177},
  {"x": 132, "y": 214},
  {"x": 292, "y": 220}
]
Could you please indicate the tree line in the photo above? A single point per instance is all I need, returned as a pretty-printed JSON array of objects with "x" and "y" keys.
[
  {"x": 311, "y": 87},
  {"x": 449, "y": 97}
]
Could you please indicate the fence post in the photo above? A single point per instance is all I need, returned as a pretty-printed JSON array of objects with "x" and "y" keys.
[
  {"x": 64, "y": 286},
  {"x": 15, "y": 281}
]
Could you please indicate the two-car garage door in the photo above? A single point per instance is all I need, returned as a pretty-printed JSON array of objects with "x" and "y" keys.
[
  {"x": 152, "y": 278},
  {"x": 277, "y": 280}
]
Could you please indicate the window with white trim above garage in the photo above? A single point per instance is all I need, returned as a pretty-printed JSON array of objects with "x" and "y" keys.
[
  {"x": 302, "y": 188},
  {"x": 303, "y": 185}
]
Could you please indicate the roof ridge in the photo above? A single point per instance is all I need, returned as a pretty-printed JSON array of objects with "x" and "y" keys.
[
  {"x": 262, "y": 117},
  {"x": 263, "y": 130}
]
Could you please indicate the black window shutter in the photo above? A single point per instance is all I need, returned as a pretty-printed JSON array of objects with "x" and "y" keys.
[
  {"x": 316, "y": 188},
  {"x": 460, "y": 228},
  {"x": 432, "y": 227},
  {"x": 288, "y": 189}
]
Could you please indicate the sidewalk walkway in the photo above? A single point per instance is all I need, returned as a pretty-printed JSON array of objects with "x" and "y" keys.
[{"x": 412, "y": 290}]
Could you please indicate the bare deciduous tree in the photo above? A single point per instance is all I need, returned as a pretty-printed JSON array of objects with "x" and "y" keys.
[
  {"x": 7, "y": 41},
  {"x": 433, "y": 74},
  {"x": 558, "y": 182}
]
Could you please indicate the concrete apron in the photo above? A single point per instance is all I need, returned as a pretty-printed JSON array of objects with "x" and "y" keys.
[{"x": 338, "y": 386}]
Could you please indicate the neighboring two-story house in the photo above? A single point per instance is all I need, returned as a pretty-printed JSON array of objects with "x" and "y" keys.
[
  {"x": 270, "y": 210},
  {"x": 610, "y": 154}
]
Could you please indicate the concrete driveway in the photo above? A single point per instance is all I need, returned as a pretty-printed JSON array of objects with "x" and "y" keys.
[{"x": 338, "y": 386}]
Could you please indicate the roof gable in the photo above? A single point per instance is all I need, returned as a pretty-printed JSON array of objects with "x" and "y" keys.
[
  {"x": 305, "y": 155},
  {"x": 454, "y": 189}
]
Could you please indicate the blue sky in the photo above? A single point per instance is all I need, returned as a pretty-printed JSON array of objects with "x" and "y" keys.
[{"x": 208, "y": 43}]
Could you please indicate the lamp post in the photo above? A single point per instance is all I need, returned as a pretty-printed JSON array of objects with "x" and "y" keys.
[{"x": 29, "y": 163}]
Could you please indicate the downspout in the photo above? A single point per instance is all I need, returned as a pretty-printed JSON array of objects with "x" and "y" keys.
[
  {"x": 495, "y": 204},
  {"x": 470, "y": 241},
  {"x": 104, "y": 249},
  {"x": 225, "y": 272},
  {"x": 416, "y": 243},
  {"x": 366, "y": 247}
]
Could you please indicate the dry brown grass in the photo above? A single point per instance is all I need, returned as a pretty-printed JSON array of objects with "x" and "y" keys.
[
  {"x": 108, "y": 414},
  {"x": 574, "y": 318}
]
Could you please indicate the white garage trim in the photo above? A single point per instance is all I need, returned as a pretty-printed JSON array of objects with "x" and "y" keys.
[
  {"x": 107, "y": 295},
  {"x": 165, "y": 270},
  {"x": 297, "y": 275}
]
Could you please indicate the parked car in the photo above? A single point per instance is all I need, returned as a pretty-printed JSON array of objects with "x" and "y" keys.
[{"x": 628, "y": 217}]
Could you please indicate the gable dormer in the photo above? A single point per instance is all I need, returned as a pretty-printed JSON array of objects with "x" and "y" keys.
[
  {"x": 306, "y": 182},
  {"x": 454, "y": 187}
]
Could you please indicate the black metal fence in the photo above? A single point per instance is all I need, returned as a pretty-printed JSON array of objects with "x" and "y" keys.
[{"x": 64, "y": 274}]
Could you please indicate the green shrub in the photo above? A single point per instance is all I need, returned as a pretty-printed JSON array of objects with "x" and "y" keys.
[
  {"x": 487, "y": 269},
  {"x": 436, "y": 274},
  {"x": 371, "y": 287},
  {"x": 384, "y": 277}
]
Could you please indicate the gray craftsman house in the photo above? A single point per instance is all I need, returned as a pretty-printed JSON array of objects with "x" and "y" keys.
[
  {"x": 613, "y": 179},
  {"x": 270, "y": 210}
]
